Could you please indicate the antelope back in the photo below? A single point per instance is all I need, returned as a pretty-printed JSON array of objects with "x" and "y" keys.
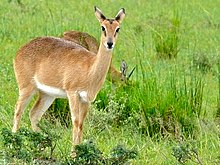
[{"x": 83, "y": 39}]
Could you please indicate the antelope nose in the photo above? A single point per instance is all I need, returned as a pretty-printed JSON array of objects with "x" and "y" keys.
[{"x": 110, "y": 45}]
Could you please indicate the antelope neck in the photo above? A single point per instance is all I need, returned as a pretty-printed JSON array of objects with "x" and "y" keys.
[{"x": 102, "y": 64}]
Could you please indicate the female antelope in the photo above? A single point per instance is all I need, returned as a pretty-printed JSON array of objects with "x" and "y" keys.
[{"x": 57, "y": 68}]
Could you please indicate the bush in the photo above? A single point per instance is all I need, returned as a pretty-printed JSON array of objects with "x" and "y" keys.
[
  {"x": 118, "y": 102},
  {"x": 186, "y": 152},
  {"x": 88, "y": 153},
  {"x": 120, "y": 155},
  {"x": 26, "y": 145}
]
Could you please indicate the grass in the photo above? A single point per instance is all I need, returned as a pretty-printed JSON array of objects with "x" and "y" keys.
[{"x": 165, "y": 95}]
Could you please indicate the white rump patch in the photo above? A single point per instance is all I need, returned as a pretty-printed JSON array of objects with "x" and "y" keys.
[
  {"x": 83, "y": 96},
  {"x": 52, "y": 91}
]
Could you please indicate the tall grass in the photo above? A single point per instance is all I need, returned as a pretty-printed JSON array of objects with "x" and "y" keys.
[
  {"x": 218, "y": 108},
  {"x": 166, "y": 37}
]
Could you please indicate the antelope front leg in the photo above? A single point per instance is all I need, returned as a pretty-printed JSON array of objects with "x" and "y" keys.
[
  {"x": 78, "y": 110},
  {"x": 83, "y": 109}
]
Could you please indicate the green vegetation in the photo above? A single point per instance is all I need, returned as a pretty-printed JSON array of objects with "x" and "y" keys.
[
  {"x": 166, "y": 37},
  {"x": 28, "y": 146},
  {"x": 168, "y": 113}
]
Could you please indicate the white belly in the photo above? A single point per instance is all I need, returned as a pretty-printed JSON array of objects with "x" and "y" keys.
[{"x": 52, "y": 91}]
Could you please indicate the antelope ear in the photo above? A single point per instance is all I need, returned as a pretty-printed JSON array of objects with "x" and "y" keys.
[
  {"x": 120, "y": 16},
  {"x": 99, "y": 15},
  {"x": 132, "y": 71},
  {"x": 123, "y": 68}
]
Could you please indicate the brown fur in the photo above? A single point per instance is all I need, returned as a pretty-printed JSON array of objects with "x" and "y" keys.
[{"x": 90, "y": 43}]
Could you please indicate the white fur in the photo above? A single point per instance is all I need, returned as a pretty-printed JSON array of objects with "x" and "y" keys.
[
  {"x": 52, "y": 91},
  {"x": 83, "y": 96}
]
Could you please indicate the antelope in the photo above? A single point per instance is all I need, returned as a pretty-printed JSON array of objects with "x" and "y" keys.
[
  {"x": 90, "y": 43},
  {"x": 57, "y": 68}
]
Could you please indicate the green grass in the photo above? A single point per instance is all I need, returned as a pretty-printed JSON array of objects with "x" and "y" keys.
[{"x": 169, "y": 103}]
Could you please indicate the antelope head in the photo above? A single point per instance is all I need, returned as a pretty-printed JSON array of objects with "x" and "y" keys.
[{"x": 109, "y": 27}]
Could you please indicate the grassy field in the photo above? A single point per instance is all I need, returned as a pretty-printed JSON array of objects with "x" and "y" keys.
[{"x": 171, "y": 107}]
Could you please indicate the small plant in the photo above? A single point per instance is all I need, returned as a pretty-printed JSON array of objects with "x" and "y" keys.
[
  {"x": 185, "y": 152},
  {"x": 115, "y": 107},
  {"x": 120, "y": 155},
  {"x": 14, "y": 146},
  {"x": 26, "y": 145},
  {"x": 88, "y": 153}
]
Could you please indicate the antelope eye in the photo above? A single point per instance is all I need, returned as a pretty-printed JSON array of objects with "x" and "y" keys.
[
  {"x": 117, "y": 30},
  {"x": 103, "y": 28}
]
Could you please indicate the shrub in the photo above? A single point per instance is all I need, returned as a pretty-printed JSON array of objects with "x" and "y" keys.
[
  {"x": 118, "y": 102},
  {"x": 88, "y": 153},
  {"x": 120, "y": 155},
  {"x": 186, "y": 152},
  {"x": 27, "y": 146}
]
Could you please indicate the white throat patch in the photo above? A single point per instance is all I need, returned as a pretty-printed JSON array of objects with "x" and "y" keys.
[{"x": 83, "y": 96}]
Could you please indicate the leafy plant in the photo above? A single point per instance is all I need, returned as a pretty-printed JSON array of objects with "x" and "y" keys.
[
  {"x": 120, "y": 155},
  {"x": 88, "y": 153},
  {"x": 27, "y": 145},
  {"x": 14, "y": 146},
  {"x": 185, "y": 152}
]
